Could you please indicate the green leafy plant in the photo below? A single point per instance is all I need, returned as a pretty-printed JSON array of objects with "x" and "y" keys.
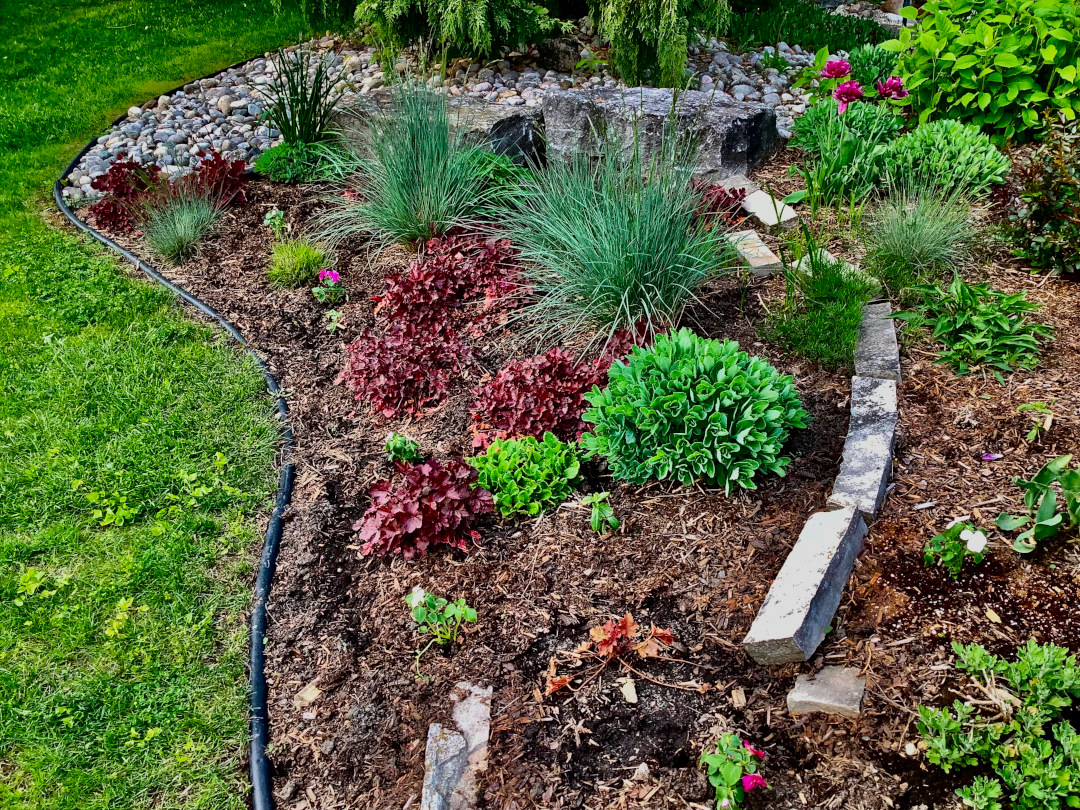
[
  {"x": 817, "y": 129},
  {"x": 1045, "y": 216},
  {"x": 402, "y": 448},
  {"x": 296, "y": 262},
  {"x": 614, "y": 243},
  {"x": 1011, "y": 733},
  {"x": 1041, "y": 502},
  {"x": 693, "y": 409},
  {"x": 437, "y": 617},
  {"x": 806, "y": 23},
  {"x": 949, "y": 155},
  {"x": 1041, "y": 415},
  {"x": 526, "y": 476},
  {"x": 871, "y": 64},
  {"x": 303, "y": 162},
  {"x": 175, "y": 220},
  {"x": 950, "y": 548},
  {"x": 300, "y": 101},
  {"x": 981, "y": 328},
  {"x": 275, "y": 221},
  {"x": 914, "y": 235},
  {"x": 415, "y": 177},
  {"x": 773, "y": 60},
  {"x": 649, "y": 38},
  {"x": 732, "y": 770},
  {"x": 994, "y": 63},
  {"x": 600, "y": 512}
]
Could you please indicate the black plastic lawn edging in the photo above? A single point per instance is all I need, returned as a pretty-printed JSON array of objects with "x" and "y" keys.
[{"x": 262, "y": 796}]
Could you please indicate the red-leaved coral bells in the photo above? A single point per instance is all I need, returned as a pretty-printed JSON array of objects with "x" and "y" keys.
[{"x": 848, "y": 93}]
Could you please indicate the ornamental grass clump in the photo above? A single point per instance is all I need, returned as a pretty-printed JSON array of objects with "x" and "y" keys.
[
  {"x": 614, "y": 244},
  {"x": 301, "y": 98},
  {"x": 693, "y": 409},
  {"x": 174, "y": 220},
  {"x": 297, "y": 262},
  {"x": 952, "y": 156},
  {"x": 526, "y": 476}
]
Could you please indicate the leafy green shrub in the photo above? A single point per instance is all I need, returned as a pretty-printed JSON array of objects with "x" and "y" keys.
[
  {"x": 1041, "y": 502},
  {"x": 296, "y": 262},
  {"x": 526, "y": 476},
  {"x": 871, "y": 64},
  {"x": 914, "y": 235},
  {"x": 174, "y": 220},
  {"x": 980, "y": 327},
  {"x": 950, "y": 155},
  {"x": 816, "y": 128},
  {"x": 690, "y": 409},
  {"x": 1045, "y": 225},
  {"x": 1011, "y": 735},
  {"x": 301, "y": 163},
  {"x": 300, "y": 102},
  {"x": 606, "y": 249},
  {"x": 415, "y": 178},
  {"x": 995, "y": 63},
  {"x": 472, "y": 27},
  {"x": 649, "y": 38},
  {"x": 402, "y": 448},
  {"x": 805, "y": 23},
  {"x": 822, "y": 309}
]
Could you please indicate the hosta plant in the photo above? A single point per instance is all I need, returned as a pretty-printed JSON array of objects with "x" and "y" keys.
[
  {"x": 1043, "y": 520},
  {"x": 693, "y": 409},
  {"x": 949, "y": 155},
  {"x": 431, "y": 504},
  {"x": 526, "y": 476}
]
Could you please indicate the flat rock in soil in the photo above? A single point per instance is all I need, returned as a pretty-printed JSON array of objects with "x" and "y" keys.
[
  {"x": 877, "y": 354},
  {"x": 732, "y": 137},
  {"x": 454, "y": 759},
  {"x": 770, "y": 212},
  {"x": 806, "y": 593},
  {"x": 867, "y": 461},
  {"x": 834, "y": 690},
  {"x": 755, "y": 254}
]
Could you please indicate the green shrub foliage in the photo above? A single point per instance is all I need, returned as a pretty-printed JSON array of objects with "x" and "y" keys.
[
  {"x": 693, "y": 409},
  {"x": 649, "y": 38},
  {"x": 871, "y": 64},
  {"x": 994, "y": 63},
  {"x": 292, "y": 163},
  {"x": 950, "y": 155},
  {"x": 814, "y": 129},
  {"x": 526, "y": 476}
]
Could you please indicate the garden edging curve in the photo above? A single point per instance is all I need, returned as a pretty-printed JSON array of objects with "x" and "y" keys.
[{"x": 261, "y": 782}]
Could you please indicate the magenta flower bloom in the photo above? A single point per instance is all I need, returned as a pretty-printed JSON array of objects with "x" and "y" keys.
[
  {"x": 757, "y": 752},
  {"x": 847, "y": 93},
  {"x": 991, "y": 456},
  {"x": 892, "y": 87},
  {"x": 752, "y": 781},
  {"x": 836, "y": 69},
  {"x": 332, "y": 275}
]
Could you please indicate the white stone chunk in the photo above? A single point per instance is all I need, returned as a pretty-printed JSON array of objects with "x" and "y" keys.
[
  {"x": 454, "y": 759},
  {"x": 755, "y": 254},
  {"x": 769, "y": 211},
  {"x": 867, "y": 460},
  {"x": 834, "y": 690},
  {"x": 877, "y": 353}
]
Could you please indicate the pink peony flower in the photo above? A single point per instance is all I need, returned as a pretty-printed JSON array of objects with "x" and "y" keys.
[
  {"x": 757, "y": 752},
  {"x": 892, "y": 87},
  {"x": 847, "y": 93},
  {"x": 752, "y": 781},
  {"x": 836, "y": 69}
]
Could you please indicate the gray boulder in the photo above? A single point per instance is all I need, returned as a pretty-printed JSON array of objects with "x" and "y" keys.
[
  {"x": 733, "y": 137},
  {"x": 561, "y": 54}
]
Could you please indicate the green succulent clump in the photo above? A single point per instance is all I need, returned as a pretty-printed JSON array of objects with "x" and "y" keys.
[
  {"x": 949, "y": 155},
  {"x": 871, "y": 64},
  {"x": 693, "y": 409},
  {"x": 526, "y": 476}
]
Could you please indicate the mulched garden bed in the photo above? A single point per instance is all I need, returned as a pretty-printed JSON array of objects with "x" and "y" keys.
[{"x": 688, "y": 559}]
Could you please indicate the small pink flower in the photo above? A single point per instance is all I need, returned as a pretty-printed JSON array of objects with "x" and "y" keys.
[
  {"x": 757, "y": 752},
  {"x": 836, "y": 69},
  {"x": 752, "y": 781},
  {"x": 892, "y": 87},
  {"x": 991, "y": 456},
  {"x": 332, "y": 275},
  {"x": 847, "y": 93}
]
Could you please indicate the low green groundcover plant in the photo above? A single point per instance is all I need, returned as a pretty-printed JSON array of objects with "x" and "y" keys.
[
  {"x": 526, "y": 476},
  {"x": 950, "y": 155},
  {"x": 995, "y": 63},
  {"x": 693, "y": 409},
  {"x": 300, "y": 163},
  {"x": 1016, "y": 736},
  {"x": 732, "y": 770},
  {"x": 982, "y": 328},
  {"x": 402, "y": 448},
  {"x": 953, "y": 546}
]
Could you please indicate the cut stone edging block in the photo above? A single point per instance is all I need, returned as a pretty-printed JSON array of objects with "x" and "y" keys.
[
  {"x": 806, "y": 593},
  {"x": 755, "y": 254},
  {"x": 834, "y": 690},
  {"x": 867, "y": 460},
  {"x": 454, "y": 759},
  {"x": 877, "y": 353},
  {"x": 770, "y": 212}
]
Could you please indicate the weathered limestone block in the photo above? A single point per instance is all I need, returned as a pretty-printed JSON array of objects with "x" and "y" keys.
[
  {"x": 755, "y": 254},
  {"x": 732, "y": 137},
  {"x": 770, "y": 212},
  {"x": 806, "y": 593},
  {"x": 455, "y": 759},
  {"x": 867, "y": 461},
  {"x": 834, "y": 690},
  {"x": 877, "y": 354}
]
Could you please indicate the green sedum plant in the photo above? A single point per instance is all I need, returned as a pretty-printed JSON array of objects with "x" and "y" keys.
[
  {"x": 949, "y": 155},
  {"x": 526, "y": 476},
  {"x": 994, "y": 63},
  {"x": 300, "y": 163},
  {"x": 1041, "y": 502},
  {"x": 693, "y": 409},
  {"x": 1012, "y": 735},
  {"x": 871, "y": 64}
]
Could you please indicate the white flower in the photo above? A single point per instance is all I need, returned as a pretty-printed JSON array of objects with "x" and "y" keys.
[{"x": 976, "y": 540}]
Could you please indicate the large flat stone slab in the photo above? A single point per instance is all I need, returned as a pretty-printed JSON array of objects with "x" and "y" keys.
[
  {"x": 867, "y": 460},
  {"x": 456, "y": 758},
  {"x": 733, "y": 137},
  {"x": 877, "y": 354},
  {"x": 834, "y": 690},
  {"x": 806, "y": 593}
]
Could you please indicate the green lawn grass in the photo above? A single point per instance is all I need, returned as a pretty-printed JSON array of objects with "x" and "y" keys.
[{"x": 122, "y": 680}]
